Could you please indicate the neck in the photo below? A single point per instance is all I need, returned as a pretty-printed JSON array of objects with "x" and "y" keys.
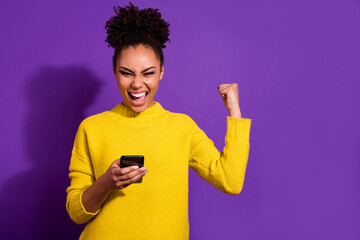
[{"x": 150, "y": 112}]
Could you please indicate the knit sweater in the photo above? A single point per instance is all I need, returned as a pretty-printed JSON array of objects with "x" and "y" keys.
[{"x": 170, "y": 142}]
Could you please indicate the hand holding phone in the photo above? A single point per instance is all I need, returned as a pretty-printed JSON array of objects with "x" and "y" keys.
[
  {"x": 132, "y": 160},
  {"x": 116, "y": 177}
]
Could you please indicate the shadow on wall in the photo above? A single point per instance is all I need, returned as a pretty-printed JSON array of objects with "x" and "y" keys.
[{"x": 34, "y": 202}]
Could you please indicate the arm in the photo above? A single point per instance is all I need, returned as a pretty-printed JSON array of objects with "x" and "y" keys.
[
  {"x": 82, "y": 177},
  {"x": 224, "y": 170},
  {"x": 115, "y": 178},
  {"x": 235, "y": 113},
  {"x": 85, "y": 195},
  {"x": 94, "y": 196}
]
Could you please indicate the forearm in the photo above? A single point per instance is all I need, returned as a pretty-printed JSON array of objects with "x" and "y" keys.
[
  {"x": 235, "y": 113},
  {"x": 95, "y": 195},
  {"x": 224, "y": 170},
  {"x": 233, "y": 160},
  {"x": 235, "y": 153}
]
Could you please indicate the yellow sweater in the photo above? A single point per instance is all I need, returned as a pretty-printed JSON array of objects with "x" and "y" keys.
[{"x": 157, "y": 208}]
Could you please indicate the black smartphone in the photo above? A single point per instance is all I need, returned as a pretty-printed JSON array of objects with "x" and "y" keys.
[{"x": 132, "y": 160}]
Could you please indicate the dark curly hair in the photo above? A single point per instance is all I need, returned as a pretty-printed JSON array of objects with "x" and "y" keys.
[{"x": 131, "y": 27}]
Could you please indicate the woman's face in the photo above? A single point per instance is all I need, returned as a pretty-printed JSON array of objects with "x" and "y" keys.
[{"x": 138, "y": 73}]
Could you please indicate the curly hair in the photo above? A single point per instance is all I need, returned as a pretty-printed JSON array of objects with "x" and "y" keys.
[{"x": 131, "y": 27}]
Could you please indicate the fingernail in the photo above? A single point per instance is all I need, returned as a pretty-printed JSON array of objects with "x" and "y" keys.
[
  {"x": 143, "y": 168},
  {"x": 135, "y": 167}
]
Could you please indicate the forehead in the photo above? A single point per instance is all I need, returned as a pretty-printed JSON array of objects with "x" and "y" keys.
[{"x": 137, "y": 57}]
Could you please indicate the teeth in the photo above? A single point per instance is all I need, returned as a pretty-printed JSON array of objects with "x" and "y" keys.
[{"x": 138, "y": 95}]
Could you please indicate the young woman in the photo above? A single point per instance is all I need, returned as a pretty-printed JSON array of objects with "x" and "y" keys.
[{"x": 105, "y": 196}]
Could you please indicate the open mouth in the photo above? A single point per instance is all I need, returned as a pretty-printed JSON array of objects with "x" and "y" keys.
[{"x": 138, "y": 98}]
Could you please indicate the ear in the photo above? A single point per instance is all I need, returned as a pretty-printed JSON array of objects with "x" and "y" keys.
[{"x": 162, "y": 72}]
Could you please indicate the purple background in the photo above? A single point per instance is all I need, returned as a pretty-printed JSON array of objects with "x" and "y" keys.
[{"x": 297, "y": 67}]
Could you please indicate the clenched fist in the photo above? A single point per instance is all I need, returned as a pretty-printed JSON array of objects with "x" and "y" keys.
[{"x": 230, "y": 95}]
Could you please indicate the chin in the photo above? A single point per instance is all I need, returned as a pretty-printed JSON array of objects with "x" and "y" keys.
[{"x": 139, "y": 108}]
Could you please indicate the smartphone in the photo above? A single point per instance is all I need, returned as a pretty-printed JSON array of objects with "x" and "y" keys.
[{"x": 132, "y": 160}]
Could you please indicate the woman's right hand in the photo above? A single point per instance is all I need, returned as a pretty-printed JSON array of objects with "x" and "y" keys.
[{"x": 116, "y": 178}]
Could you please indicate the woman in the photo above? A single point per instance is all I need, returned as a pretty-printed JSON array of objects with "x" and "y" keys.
[{"x": 101, "y": 193}]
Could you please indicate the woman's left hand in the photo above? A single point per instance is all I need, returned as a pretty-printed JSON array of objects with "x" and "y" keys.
[{"x": 230, "y": 95}]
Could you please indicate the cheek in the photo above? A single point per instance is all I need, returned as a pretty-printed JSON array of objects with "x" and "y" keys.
[
  {"x": 153, "y": 84},
  {"x": 123, "y": 84}
]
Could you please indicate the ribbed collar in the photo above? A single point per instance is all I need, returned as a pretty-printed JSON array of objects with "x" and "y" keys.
[{"x": 123, "y": 111}]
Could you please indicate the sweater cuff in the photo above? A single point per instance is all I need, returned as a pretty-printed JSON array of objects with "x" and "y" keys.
[
  {"x": 238, "y": 128},
  {"x": 80, "y": 212}
]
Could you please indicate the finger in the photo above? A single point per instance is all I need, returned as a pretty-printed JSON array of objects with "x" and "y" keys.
[
  {"x": 133, "y": 179},
  {"x": 231, "y": 85},
  {"x": 221, "y": 89},
  {"x": 124, "y": 170},
  {"x": 234, "y": 86},
  {"x": 227, "y": 85},
  {"x": 224, "y": 91},
  {"x": 222, "y": 94},
  {"x": 224, "y": 85},
  {"x": 116, "y": 162},
  {"x": 132, "y": 174}
]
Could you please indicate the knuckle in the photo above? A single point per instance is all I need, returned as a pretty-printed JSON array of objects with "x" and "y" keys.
[
  {"x": 135, "y": 178},
  {"x": 122, "y": 178},
  {"x": 117, "y": 179},
  {"x": 130, "y": 180}
]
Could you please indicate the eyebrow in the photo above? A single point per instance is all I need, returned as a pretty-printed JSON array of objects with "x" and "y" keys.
[{"x": 141, "y": 72}]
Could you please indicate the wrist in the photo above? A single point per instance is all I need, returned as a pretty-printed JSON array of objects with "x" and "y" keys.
[
  {"x": 103, "y": 183},
  {"x": 235, "y": 113}
]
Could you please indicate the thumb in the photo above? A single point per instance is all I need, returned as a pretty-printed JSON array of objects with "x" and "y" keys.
[{"x": 117, "y": 162}]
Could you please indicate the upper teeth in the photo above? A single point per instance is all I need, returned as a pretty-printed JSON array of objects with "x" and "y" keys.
[{"x": 138, "y": 94}]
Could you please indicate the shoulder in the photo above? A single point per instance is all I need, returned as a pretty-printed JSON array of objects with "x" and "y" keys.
[
  {"x": 182, "y": 119},
  {"x": 94, "y": 121}
]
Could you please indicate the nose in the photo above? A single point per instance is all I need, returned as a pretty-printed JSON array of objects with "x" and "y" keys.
[{"x": 137, "y": 82}]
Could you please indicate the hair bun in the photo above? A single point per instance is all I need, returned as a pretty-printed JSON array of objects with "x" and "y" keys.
[{"x": 129, "y": 21}]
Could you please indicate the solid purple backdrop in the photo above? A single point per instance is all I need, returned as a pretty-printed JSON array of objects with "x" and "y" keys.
[{"x": 297, "y": 67}]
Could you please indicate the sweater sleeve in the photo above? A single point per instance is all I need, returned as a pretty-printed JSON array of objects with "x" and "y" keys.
[
  {"x": 81, "y": 176},
  {"x": 224, "y": 170}
]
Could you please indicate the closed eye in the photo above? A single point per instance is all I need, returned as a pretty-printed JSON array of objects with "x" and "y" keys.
[
  {"x": 125, "y": 73},
  {"x": 149, "y": 73}
]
